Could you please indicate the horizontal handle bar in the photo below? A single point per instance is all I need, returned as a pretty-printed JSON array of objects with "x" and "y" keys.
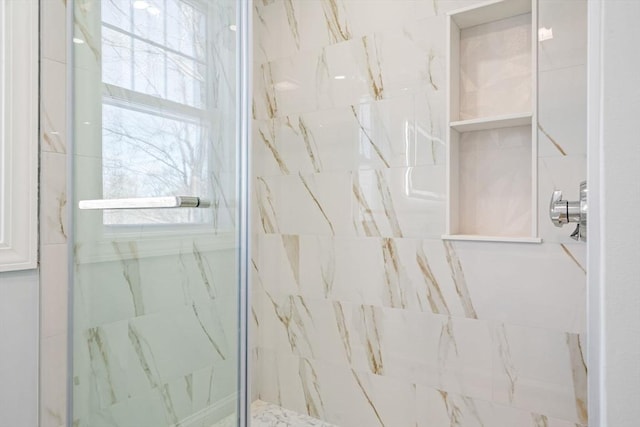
[{"x": 146, "y": 203}]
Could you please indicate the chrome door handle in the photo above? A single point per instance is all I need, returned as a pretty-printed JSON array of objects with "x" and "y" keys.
[{"x": 146, "y": 203}]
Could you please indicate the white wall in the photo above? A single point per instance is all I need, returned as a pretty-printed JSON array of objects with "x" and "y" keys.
[
  {"x": 19, "y": 349},
  {"x": 19, "y": 293},
  {"x": 615, "y": 247}
]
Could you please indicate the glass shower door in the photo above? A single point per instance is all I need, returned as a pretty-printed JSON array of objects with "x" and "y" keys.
[{"x": 156, "y": 309}]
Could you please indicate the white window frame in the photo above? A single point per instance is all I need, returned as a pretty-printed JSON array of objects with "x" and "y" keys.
[{"x": 18, "y": 134}]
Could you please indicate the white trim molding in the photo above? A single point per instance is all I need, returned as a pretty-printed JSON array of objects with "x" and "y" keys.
[
  {"x": 595, "y": 256},
  {"x": 18, "y": 134}
]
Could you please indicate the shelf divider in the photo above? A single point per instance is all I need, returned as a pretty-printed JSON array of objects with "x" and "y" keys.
[
  {"x": 479, "y": 238},
  {"x": 496, "y": 122}
]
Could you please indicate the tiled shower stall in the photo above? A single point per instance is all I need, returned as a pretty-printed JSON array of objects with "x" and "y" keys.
[{"x": 361, "y": 314}]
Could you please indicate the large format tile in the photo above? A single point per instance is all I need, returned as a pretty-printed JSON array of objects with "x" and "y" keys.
[{"x": 365, "y": 316}]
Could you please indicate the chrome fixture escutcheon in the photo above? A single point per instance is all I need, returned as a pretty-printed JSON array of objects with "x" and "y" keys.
[{"x": 564, "y": 212}]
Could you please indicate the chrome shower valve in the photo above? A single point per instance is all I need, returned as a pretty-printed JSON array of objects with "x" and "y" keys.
[{"x": 564, "y": 212}]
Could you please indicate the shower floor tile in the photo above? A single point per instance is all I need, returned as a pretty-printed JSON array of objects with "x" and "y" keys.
[{"x": 265, "y": 414}]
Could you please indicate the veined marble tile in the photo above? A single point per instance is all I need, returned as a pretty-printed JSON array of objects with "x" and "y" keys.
[
  {"x": 284, "y": 28},
  {"x": 519, "y": 290},
  {"x": 562, "y": 112},
  {"x": 255, "y": 384},
  {"x": 314, "y": 142},
  {"x": 462, "y": 357},
  {"x": 53, "y": 278},
  {"x": 449, "y": 353},
  {"x": 154, "y": 357},
  {"x": 414, "y": 58},
  {"x": 280, "y": 381},
  {"x": 336, "y": 393},
  {"x": 88, "y": 113},
  {"x": 306, "y": 204},
  {"x": 281, "y": 272},
  {"x": 495, "y": 182},
  {"x": 139, "y": 283},
  {"x": 54, "y": 29},
  {"x": 541, "y": 370},
  {"x": 53, "y": 94},
  {"x": 399, "y": 131},
  {"x": 328, "y": 271},
  {"x": 417, "y": 348},
  {"x": 87, "y": 27},
  {"x": 308, "y": 328},
  {"x": 53, "y": 381},
  {"x": 495, "y": 68},
  {"x": 365, "y": 17},
  {"x": 411, "y": 274},
  {"x": 53, "y": 290},
  {"x": 148, "y": 409},
  {"x": 437, "y": 407},
  {"x": 363, "y": 398},
  {"x": 102, "y": 294},
  {"x": 568, "y": 21},
  {"x": 358, "y": 70},
  {"x": 399, "y": 202},
  {"x": 291, "y": 85},
  {"x": 53, "y": 196}
]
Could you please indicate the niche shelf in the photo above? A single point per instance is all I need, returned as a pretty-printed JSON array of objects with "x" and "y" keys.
[{"x": 491, "y": 116}]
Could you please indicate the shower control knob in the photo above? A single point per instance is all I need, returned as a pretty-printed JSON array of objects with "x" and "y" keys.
[
  {"x": 558, "y": 209},
  {"x": 563, "y": 212},
  {"x": 577, "y": 233}
]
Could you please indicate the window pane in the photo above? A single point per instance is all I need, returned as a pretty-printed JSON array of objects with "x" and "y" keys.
[
  {"x": 116, "y": 58},
  {"x": 185, "y": 81},
  {"x": 148, "y": 22},
  {"x": 117, "y": 13},
  {"x": 149, "y": 69},
  {"x": 186, "y": 27},
  {"x": 148, "y": 155}
]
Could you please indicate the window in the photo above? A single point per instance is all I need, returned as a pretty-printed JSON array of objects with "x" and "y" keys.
[
  {"x": 160, "y": 125},
  {"x": 18, "y": 134}
]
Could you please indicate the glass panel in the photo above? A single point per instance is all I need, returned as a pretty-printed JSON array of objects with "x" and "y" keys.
[
  {"x": 155, "y": 312},
  {"x": 149, "y": 69},
  {"x": 117, "y": 57},
  {"x": 148, "y": 23},
  {"x": 185, "y": 80},
  {"x": 117, "y": 13},
  {"x": 147, "y": 155}
]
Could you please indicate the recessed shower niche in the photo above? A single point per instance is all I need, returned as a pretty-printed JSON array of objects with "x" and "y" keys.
[{"x": 491, "y": 135}]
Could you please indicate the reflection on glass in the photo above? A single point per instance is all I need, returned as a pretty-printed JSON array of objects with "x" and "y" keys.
[
  {"x": 147, "y": 155},
  {"x": 157, "y": 116}
]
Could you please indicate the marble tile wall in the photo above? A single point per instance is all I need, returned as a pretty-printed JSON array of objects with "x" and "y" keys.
[
  {"x": 155, "y": 335},
  {"x": 362, "y": 315},
  {"x": 53, "y": 214}
]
